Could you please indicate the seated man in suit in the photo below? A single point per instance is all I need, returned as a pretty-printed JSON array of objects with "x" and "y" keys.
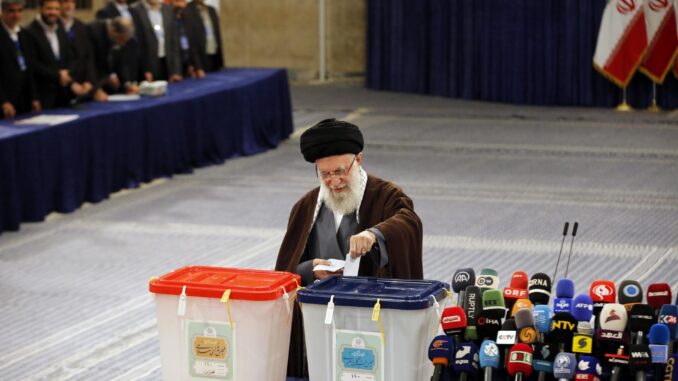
[
  {"x": 205, "y": 34},
  {"x": 53, "y": 58},
  {"x": 158, "y": 40},
  {"x": 17, "y": 89},
  {"x": 115, "y": 72}
]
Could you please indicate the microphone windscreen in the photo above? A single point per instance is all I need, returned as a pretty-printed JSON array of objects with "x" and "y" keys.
[
  {"x": 520, "y": 360},
  {"x": 582, "y": 307},
  {"x": 489, "y": 354},
  {"x": 466, "y": 358},
  {"x": 539, "y": 288},
  {"x": 453, "y": 320},
  {"x": 630, "y": 292},
  {"x": 563, "y": 326},
  {"x": 589, "y": 365},
  {"x": 564, "y": 365},
  {"x": 463, "y": 278},
  {"x": 640, "y": 358},
  {"x": 565, "y": 288},
  {"x": 603, "y": 291},
  {"x": 668, "y": 315},
  {"x": 473, "y": 304},
  {"x": 658, "y": 294},
  {"x": 542, "y": 318},
  {"x": 493, "y": 303},
  {"x": 488, "y": 279},
  {"x": 487, "y": 326},
  {"x": 509, "y": 325},
  {"x": 519, "y": 280},
  {"x": 524, "y": 319},
  {"x": 613, "y": 317},
  {"x": 440, "y": 350},
  {"x": 544, "y": 354},
  {"x": 641, "y": 318},
  {"x": 659, "y": 334},
  {"x": 521, "y": 304}
]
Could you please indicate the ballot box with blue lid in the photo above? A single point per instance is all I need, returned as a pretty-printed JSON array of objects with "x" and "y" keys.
[{"x": 371, "y": 329}]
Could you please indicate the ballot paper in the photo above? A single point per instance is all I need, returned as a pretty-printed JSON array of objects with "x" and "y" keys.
[
  {"x": 335, "y": 265},
  {"x": 123, "y": 97},
  {"x": 50, "y": 120},
  {"x": 351, "y": 265}
]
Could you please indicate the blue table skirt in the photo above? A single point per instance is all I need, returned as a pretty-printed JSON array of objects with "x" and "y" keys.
[{"x": 116, "y": 145}]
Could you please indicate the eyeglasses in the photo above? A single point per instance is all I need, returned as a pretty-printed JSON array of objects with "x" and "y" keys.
[{"x": 338, "y": 173}]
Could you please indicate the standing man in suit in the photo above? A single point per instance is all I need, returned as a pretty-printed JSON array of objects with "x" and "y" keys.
[
  {"x": 189, "y": 53},
  {"x": 205, "y": 33},
  {"x": 129, "y": 52},
  {"x": 53, "y": 60},
  {"x": 17, "y": 89},
  {"x": 113, "y": 9},
  {"x": 158, "y": 40},
  {"x": 81, "y": 50}
]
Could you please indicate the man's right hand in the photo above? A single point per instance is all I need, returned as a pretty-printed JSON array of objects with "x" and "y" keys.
[
  {"x": 322, "y": 274},
  {"x": 64, "y": 78},
  {"x": 8, "y": 110},
  {"x": 148, "y": 76}
]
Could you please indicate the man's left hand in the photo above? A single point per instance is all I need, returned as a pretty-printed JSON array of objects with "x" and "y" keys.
[{"x": 362, "y": 243}]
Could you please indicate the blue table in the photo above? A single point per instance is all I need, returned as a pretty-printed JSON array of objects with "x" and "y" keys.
[{"x": 116, "y": 145}]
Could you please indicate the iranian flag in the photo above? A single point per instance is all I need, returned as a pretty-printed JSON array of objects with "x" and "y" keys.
[
  {"x": 622, "y": 40},
  {"x": 660, "y": 19}
]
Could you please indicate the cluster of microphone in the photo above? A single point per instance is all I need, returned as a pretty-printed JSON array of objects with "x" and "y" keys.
[{"x": 615, "y": 331}]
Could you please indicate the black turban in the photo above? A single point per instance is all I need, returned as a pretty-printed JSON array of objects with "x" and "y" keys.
[{"x": 331, "y": 137}]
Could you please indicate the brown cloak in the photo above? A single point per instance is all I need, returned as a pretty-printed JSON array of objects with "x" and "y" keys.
[{"x": 385, "y": 207}]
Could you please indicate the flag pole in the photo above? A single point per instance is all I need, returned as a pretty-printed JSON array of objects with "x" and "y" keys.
[
  {"x": 624, "y": 107},
  {"x": 654, "y": 107}
]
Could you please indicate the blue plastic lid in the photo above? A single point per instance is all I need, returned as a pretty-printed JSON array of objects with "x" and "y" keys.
[{"x": 364, "y": 291}]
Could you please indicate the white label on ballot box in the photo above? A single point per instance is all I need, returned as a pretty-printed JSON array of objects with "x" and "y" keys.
[
  {"x": 211, "y": 349},
  {"x": 358, "y": 356}
]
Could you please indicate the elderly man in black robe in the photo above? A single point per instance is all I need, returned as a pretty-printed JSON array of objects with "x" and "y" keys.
[{"x": 351, "y": 212}]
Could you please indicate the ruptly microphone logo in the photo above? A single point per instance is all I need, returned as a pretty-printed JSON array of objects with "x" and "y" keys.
[
  {"x": 631, "y": 290},
  {"x": 613, "y": 316},
  {"x": 462, "y": 277},
  {"x": 601, "y": 291}
]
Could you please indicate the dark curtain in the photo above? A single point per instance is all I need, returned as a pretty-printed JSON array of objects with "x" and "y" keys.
[{"x": 516, "y": 51}]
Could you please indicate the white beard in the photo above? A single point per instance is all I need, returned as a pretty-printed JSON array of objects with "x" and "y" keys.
[{"x": 346, "y": 201}]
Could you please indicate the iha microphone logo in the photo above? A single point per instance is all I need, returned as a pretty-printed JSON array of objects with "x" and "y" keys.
[
  {"x": 658, "y": 5},
  {"x": 626, "y": 6}
]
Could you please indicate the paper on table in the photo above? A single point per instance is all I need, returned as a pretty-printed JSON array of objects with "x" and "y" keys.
[
  {"x": 351, "y": 266},
  {"x": 47, "y": 119},
  {"x": 335, "y": 265},
  {"x": 123, "y": 97}
]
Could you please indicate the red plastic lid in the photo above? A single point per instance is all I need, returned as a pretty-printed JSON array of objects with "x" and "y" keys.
[{"x": 211, "y": 282}]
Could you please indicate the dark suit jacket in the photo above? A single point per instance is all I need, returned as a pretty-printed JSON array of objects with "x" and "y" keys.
[
  {"x": 109, "y": 59},
  {"x": 82, "y": 55},
  {"x": 198, "y": 36},
  {"x": 16, "y": 87},
  {"x": 148, "y": 43},
  {"x": 46, "y": 66},
  {"x": 108, "y": 11}
]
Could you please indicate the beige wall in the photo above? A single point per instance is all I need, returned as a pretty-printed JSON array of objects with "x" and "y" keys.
[{"x": 284, "y": 33}]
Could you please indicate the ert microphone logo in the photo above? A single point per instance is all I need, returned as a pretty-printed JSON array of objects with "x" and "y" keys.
[
  {"x": 658, "y": 5},
  {"x": 462, "y": 277},
  {"x": 626, "y": 6},
  {"x": 631, "y": 290},
  {"x": 601, "y": 291}
]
